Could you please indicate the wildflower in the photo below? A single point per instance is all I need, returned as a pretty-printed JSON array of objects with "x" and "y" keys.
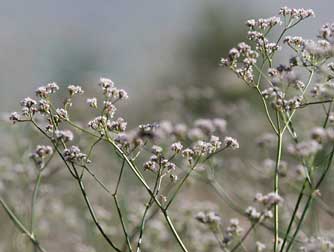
[
  {"x": 122, "y": 94},
  {"x": 98, "y": 123},
  {"x": 252, "y": 213},
  {"x": 28, "y": 102},
  {"x": 42, "y": 92},
  {"x": 109, "y": 108},
  {"x": 208, "y": 217},
  {"x": 92, "y": 102},
  {"x": 43, "y": 106},
  {"x": 62, "y": 113},
  {"x": 170, "y": 166},
  {"x": 42, "y": 151},
  {"x": 294, "y": 41},
  {"x": 14, "y": 117},
  {"x": 157, "y": 150},
  {"x": 64, "y": 135},
  {"x": 122, "y": 139},
  {"x": 187, "y": 153},
  {"x": 231, "y": 142},
  {"x": 52, "y": 87},
  {"x": 216, "y": 143},
  {"x": 269, "y": 200},
  {"x": 234, "y": 228},
  {"x": 106, "y": 83},
  {"x": 296, "y": 13},
  {"x": 118, "y": 125},
  {"x": 201, "y": 148},
  {"x": 149, "y": 165},
  {"x": 75, "y": 90},
  {"x": 74, "y": 154},
  {"x": 176, "y": 147}
]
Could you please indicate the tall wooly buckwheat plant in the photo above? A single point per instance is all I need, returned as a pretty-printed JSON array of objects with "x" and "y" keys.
[{"x": 174, "y": 152}]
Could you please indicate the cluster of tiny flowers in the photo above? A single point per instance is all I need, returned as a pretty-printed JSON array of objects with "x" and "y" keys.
[
  {"x": 208, "y": 217},
  {"x": 232, "y": 231},
  {"x": 75, "y": 90},
  {"x": 205, "y": 148},
  {"x": 241, "y": 61},
  {"x": 64, "y": 135},
  {"x": 263, "y": 23},
  {"x": 200, "y": 135},
  {"x": 110, "y": 91},
  {"x": 267, "y": 201},
  {"x": 98, "y": 123},
  {"x": 41, "y": 152},
  {"x": 327, "y": 32},
  {"x": 74, "y": 154},
  {"x": 320, "y": 244},
  {"x": 158, "y": 161},
  {"x": 92, "y": 102},
  {"x": 231, "y": 142},
  {"x": 323, "y": 90},
  {"x": 45, "y": 91},
  {"x": 28, "y": 106},
  {"x": 305, "y": 148},
  {"x": 62, "y": 113},
  {"x": 318, "y": 49},
  {"x": 296, "y": 13},
  {"x": 295, "y": 42}
]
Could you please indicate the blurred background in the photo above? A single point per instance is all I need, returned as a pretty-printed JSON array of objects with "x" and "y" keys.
[{"x": 163, "y": 53}]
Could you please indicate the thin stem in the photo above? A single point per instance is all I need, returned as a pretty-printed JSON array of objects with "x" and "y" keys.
[
  {"x": 310, "y": 197},
  {"x": 294, "y": 214},
  {"x": 148, "y": 205},
  {"x": 33, "y": 201},
  {"x": 266, "y": 110},
  {"x": 91, "y": 210},
  {"x": 119, "y": 177},
  {"x": 302, "y": 94},
  {"x": 122, "y": 222},
  {"x": 244, "y": 237},
  {"x": 276, "y": 188},
  {"x": 20, "y": 225},
  {"x": 171, "y": 226}
]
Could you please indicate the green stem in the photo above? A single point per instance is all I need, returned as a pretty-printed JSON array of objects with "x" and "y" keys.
[
  {"x": 310, "y": 197},
  {"x": 276, "y": 183},
  {"x": 294, "y": 214},
  {"x": 20, "y": 226}
]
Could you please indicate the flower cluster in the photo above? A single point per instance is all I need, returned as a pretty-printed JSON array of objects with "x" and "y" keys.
[
  {"x": 74, "y": 154},
  {"x": 296, "y": 13},
  {"x": 267, "y": 202},
  {"x": 45, "y": 91},
  {"x": 41, "y": 152},
  {"x": 110, "y": 91}
]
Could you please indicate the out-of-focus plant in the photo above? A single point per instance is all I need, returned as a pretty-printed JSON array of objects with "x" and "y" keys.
[
  {"x": 283, "y": 94},
  {"x": 52, "y": 121},
  {"x": 164, "y": 156}
]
